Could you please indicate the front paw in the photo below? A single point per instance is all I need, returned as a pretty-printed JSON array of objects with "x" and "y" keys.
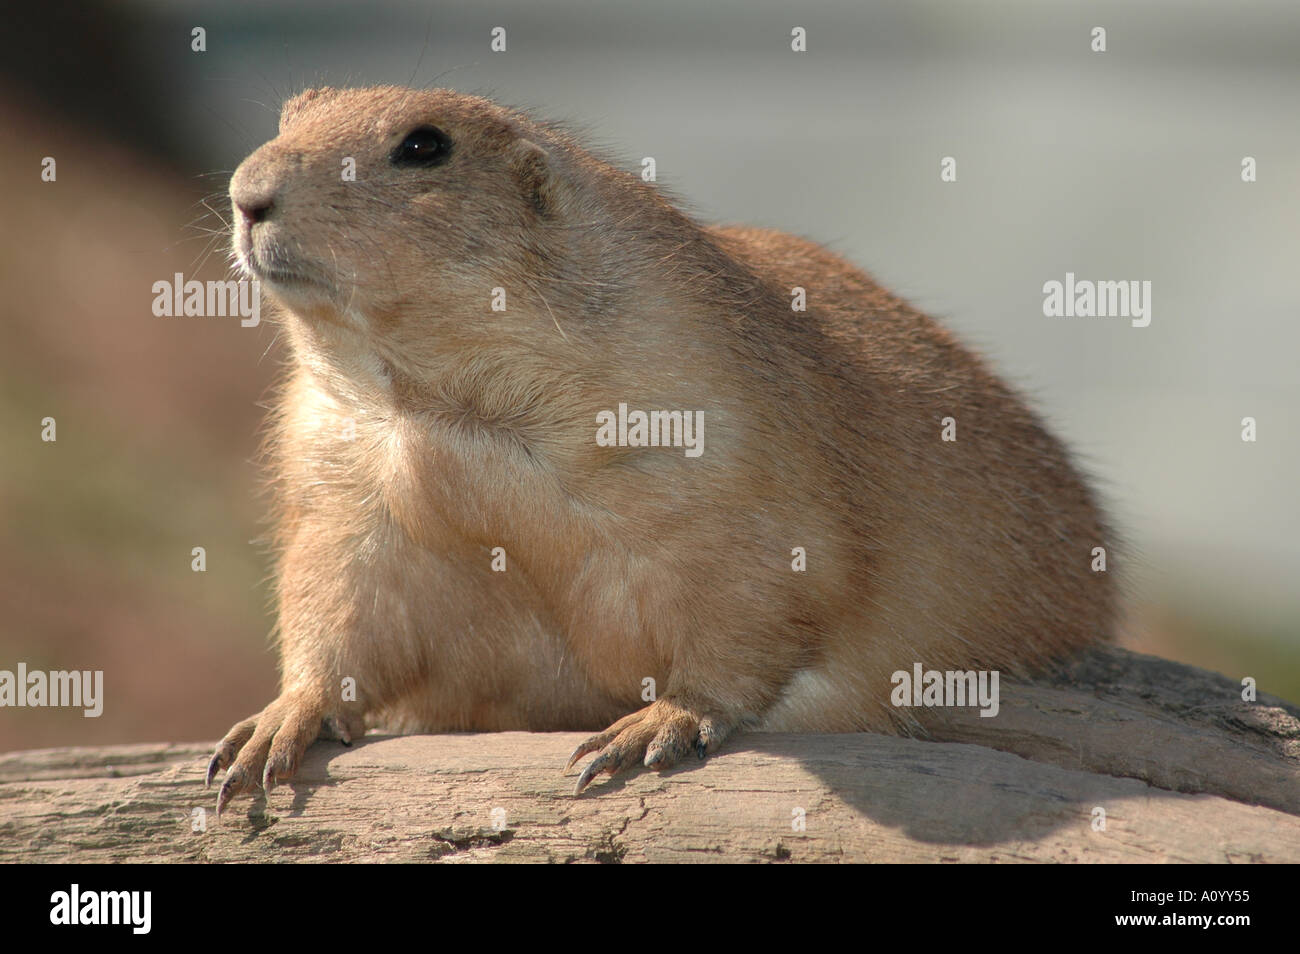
[
  {"x": 658, "y": 736},
  {"x": 267, "y": 748}
]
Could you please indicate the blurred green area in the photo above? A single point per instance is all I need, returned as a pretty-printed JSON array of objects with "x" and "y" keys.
[
  {"x": 1234, "y": 645},
  {"x": 157, "y": 425}
]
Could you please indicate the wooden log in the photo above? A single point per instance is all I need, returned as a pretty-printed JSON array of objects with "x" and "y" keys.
[{"x": 1182, "y": 768}]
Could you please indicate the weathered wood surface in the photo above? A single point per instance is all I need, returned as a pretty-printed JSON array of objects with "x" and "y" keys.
[{"x": 1184, "y": 770}]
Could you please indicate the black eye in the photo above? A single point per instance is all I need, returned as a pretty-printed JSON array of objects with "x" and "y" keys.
[{"x": 423, "y": 146}]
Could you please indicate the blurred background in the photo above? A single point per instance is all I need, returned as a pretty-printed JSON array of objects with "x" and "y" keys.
[{"x": 1117, "y": 165}]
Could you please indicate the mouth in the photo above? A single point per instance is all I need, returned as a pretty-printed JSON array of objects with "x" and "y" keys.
[
  {"x": 272, "y": 275},
  {"x": 268, "y": 264}
]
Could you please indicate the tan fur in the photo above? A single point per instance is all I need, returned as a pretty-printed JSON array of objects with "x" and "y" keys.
[{"x": 476, "y": 429}]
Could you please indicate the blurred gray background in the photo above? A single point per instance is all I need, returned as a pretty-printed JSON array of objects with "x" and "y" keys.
[{"x": 1117, "y": 165}]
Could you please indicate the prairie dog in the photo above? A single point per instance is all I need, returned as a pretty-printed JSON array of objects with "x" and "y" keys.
[{"x": 456, "y": 541}]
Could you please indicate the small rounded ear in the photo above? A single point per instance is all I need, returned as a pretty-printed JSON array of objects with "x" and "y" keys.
[{"x": 532, "y": 168}]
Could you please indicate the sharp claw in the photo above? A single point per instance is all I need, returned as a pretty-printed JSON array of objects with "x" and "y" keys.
[
  {"x": 268, "y": 778},
  {"x": 582, "y": 749},
  {"x": 701, "y": 748},
  {"x": 224, "y": 795},
  {"x": 654, "y": 755},
  {"x": 214, "y": 766},
  {"x": 590, "y": 772}
]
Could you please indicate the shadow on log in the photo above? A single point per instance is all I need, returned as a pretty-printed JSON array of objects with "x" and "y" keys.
[{"x": 1170, "y": 757}]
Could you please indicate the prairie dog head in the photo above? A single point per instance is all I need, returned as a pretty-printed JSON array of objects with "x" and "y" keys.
[{"x": 395, "y": 213}]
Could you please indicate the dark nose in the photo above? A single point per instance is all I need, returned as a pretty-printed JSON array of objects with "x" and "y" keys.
[
  {"x": 252, "y": 191},
  {"x": 253, "y": 205},
  {"x": 254, "y": 209}
]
